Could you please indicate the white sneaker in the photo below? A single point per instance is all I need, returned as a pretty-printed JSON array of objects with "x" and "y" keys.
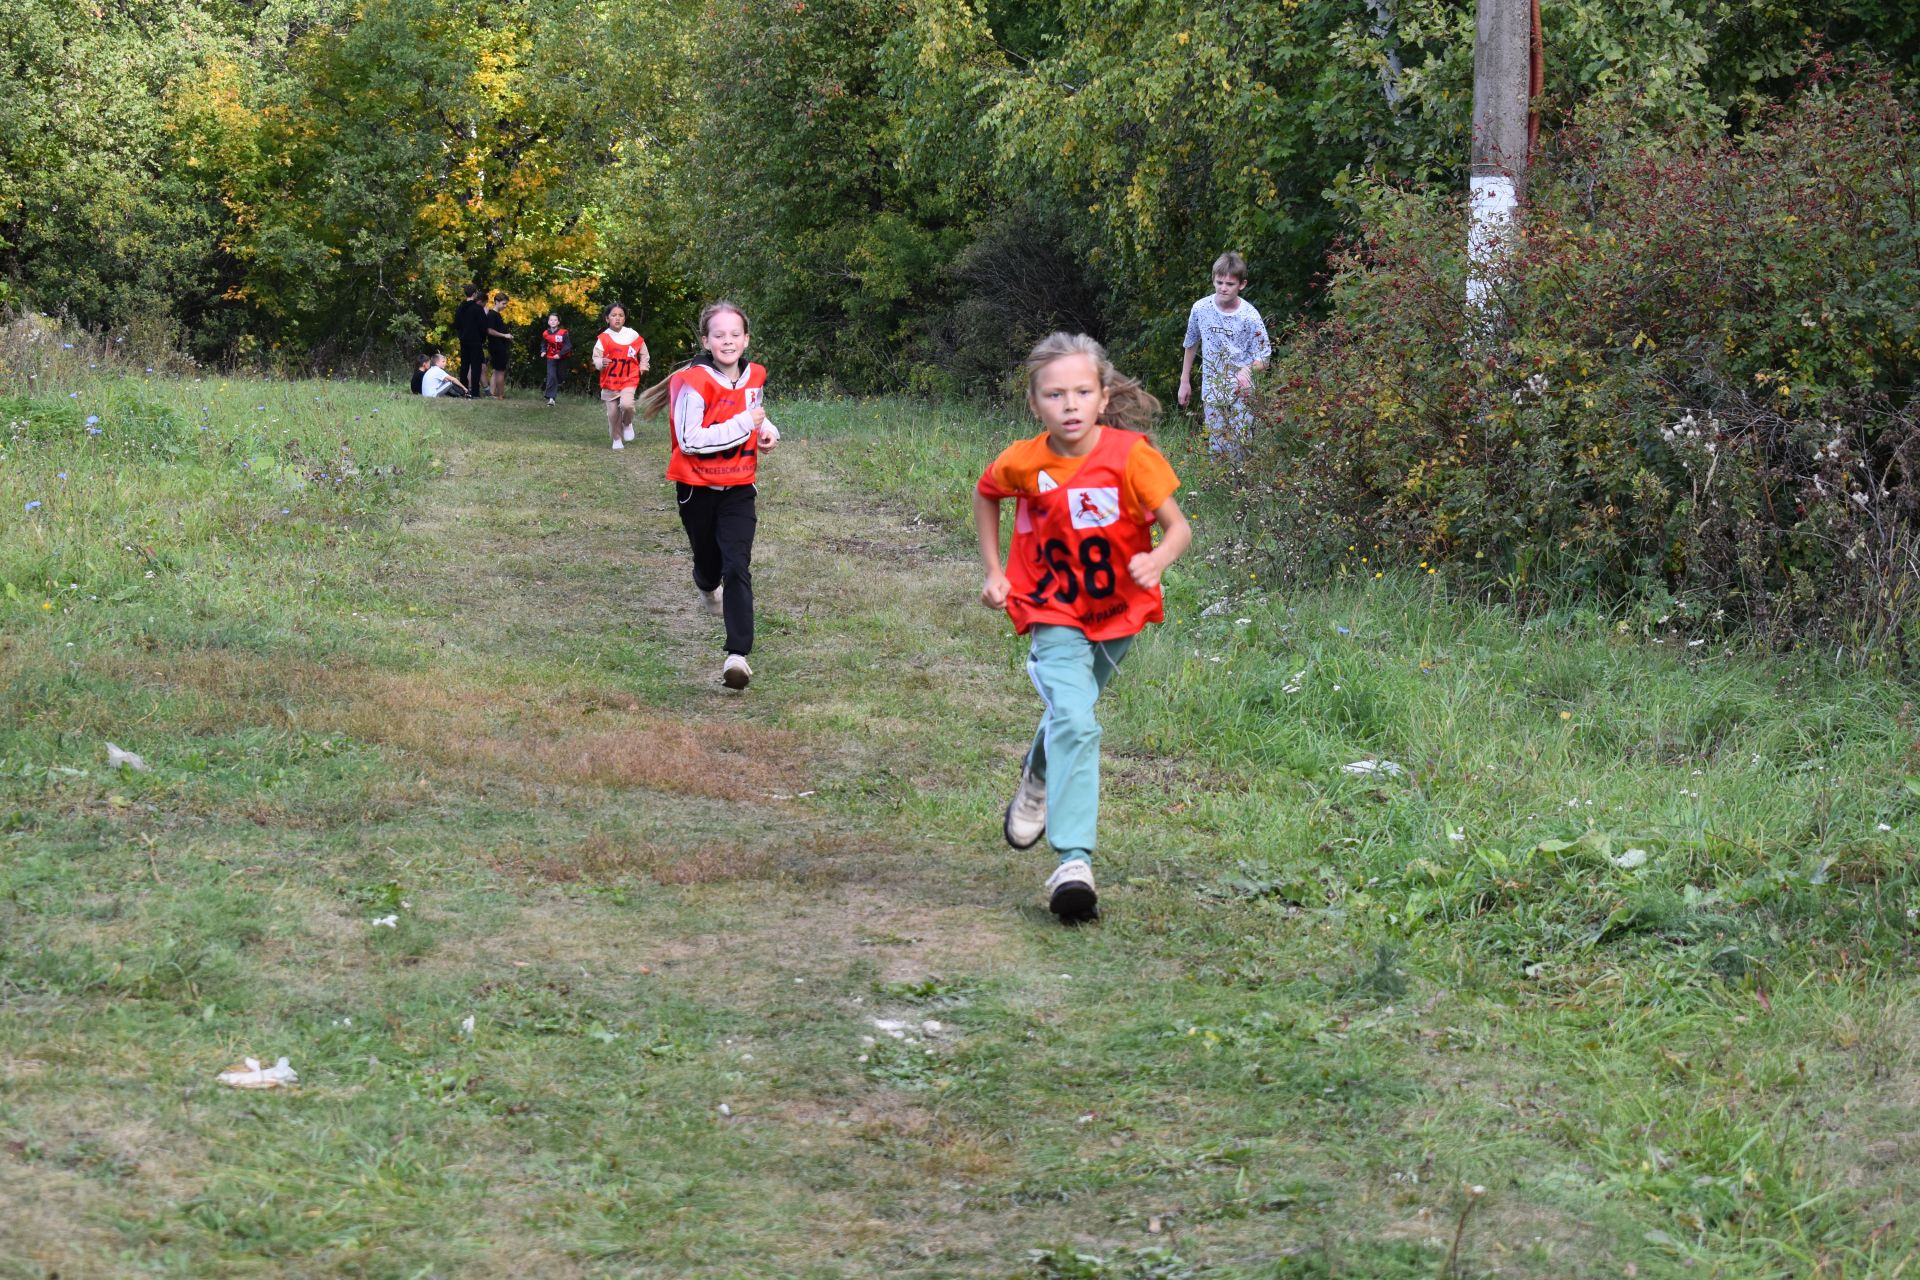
[
  {"x": 628, "y": 433},
  {"x": 1027, "y": 811},
  {"x": 618, "y": 445},
  {"x": 713, "y": 601},
  {"x": 549, "y": 402},
  {"x": 735, "y": 674},
  {"x": 1070, "y": 892}
]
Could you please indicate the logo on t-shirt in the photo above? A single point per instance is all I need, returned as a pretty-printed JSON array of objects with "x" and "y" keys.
[
  {"x": 1093, "y": 508},
  {"x": 1046, "y": 483}
]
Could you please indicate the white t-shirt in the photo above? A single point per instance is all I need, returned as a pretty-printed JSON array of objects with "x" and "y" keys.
[
  {"x": 1228, "y": 340},
  {"x": 436, "y": 381}
]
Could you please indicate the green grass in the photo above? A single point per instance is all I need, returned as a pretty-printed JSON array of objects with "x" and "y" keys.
[{"x": 1627, "y": 946}]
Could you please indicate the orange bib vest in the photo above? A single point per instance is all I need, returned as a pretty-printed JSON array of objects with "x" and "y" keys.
[
  {"x": 1071, "y": 545},
  {"x": 552, "y": 341},
  {"x": 735, "y": 466},
  {"x": 622, "y": 369}
]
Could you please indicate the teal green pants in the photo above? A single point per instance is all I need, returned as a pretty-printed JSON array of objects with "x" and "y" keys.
[{"x": 1070, "y": 670}]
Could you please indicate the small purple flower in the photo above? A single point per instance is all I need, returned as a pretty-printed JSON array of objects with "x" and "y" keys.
[
  {"x": 34, "y": 505},
  {"x": 92, "y": 418},
  {"x": 66, "y": 346},
  {"x": 149, "y": 368},
  {"x": 61, "y": 474},
  {"x": 73, "y": 395},
  {"x": 259, "y": 408},
  {"x": 285, "y": 511},
  {"x": 93, "y": 431},
  {"x": 1343, "y": 631}
]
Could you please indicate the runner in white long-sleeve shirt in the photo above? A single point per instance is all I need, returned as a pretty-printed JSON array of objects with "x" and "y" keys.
[{"x": 719, "y": 430}]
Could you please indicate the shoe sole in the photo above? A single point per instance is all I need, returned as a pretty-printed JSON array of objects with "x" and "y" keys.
[
  {"x": 1006, "y": 829},
  {"x": 735, "y": 679},
  {"x": 1075, "y": 903}
]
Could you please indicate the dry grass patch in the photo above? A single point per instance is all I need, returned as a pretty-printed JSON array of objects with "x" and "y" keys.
[
  {"x": 602, "y": 858},
  {"x": 534, "y": 735}
]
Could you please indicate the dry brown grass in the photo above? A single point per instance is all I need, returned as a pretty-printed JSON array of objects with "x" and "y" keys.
[
  {"x": 591, "y": 737},
  {"x": 603, "y": 858}
]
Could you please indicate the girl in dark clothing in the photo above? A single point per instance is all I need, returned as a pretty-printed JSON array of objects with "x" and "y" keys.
[
  {"x": 470, "y": 326},
  {"x": 499, "y": 345}
]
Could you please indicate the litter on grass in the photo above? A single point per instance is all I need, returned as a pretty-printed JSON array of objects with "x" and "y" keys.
[
  {"x": 387, "y": 922},
  {"x": 118, "y": 759},
  {"x": 1366, "y": 768},
  {"x": 249, "y": 1074}
]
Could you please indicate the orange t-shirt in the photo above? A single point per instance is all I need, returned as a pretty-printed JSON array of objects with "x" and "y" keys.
[{"x": 1147, "y": 481}]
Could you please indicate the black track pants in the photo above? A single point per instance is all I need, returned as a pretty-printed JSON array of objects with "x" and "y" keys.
[{"x": 720, "y": 525}]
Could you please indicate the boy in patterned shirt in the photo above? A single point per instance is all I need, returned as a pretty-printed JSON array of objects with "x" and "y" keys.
[{"x": 1232, "y": 341}]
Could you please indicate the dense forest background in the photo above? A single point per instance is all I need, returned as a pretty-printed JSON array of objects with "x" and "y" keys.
[{"x": 901, "y": 194}]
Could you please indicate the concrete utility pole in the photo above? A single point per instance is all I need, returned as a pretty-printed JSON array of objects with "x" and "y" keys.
[{"x": 1503, "y": 71}]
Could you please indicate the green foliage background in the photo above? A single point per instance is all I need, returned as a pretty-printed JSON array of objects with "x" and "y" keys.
[{"x": 900, "y": 194}]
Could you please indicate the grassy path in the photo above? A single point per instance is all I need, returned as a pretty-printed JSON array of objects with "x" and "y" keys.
[{"x": 1321, "y": 1010}]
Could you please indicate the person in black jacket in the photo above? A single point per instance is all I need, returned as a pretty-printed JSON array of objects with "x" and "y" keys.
[{"x": 470, "y": 326}]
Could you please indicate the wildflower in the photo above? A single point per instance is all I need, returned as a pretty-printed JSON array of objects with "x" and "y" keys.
[
  {"x": 1566, "y": 715},
  {"x": 93, "y": 431},
  {"x": 92, "y": 418},
  {"x": 46, "y": 604},
  {"x": 73, "y": 395},
  {"x": 1343, "y": 631},
  {"x": 66, "y": 346},
  {"x": 60, "y": 475},
  {"x": 34, "y": 505}
]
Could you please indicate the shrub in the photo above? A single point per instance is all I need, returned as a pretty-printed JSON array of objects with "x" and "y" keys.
[{"x": 1699, "y": 378}]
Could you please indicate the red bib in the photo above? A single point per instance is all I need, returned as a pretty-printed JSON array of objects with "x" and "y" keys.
[
  {"x": 622, "y": 369},
  {"x": 735, "y": 466},
  {"x": 1071, "y": 545},
  {"x": 552, "y": 341}
]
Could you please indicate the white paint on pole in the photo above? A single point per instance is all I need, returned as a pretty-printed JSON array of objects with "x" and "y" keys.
[{"x": 1492, "y": 217}]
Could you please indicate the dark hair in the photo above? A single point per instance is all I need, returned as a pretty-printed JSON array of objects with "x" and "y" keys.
[
  {"x": 608, "y": 313},
  {"x": 472, "y": 289}
]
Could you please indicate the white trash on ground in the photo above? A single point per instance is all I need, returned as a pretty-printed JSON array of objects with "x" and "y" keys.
[
  {"x": 1365, "y": 768},
  {"x": 118, "y": 759},
  {"x": 251, "y": 1075}
]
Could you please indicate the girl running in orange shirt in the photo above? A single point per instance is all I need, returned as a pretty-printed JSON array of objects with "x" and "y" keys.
[
  {"x": 1082, "y": 579},
  {"x": 719, "y": 429},
  {"x": 620, "y": 355}
]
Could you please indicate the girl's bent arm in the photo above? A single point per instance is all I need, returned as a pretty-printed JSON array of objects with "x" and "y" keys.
[
  {"x": 1176, "y": 535},
  {"x": 986, "y": 524}
]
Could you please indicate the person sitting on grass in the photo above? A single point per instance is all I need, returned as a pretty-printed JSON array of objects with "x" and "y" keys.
[
  {"x": 436, "y": 381},
  {"x": 420, "y": 372},
  {"x": 1082, "y": 579}
]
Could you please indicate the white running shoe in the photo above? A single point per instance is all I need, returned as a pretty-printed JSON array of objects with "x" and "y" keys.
[
  {"x": 1027, "y": 811},
  {"x": 713, "y": 601},
  {"x": 735, "y": 674},
  {"x": 628, "y": 433},
  {"x": 618, "y": 445},
  {"x": 1070, "y": 892},
  {"x": 549, "y": 402}
]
